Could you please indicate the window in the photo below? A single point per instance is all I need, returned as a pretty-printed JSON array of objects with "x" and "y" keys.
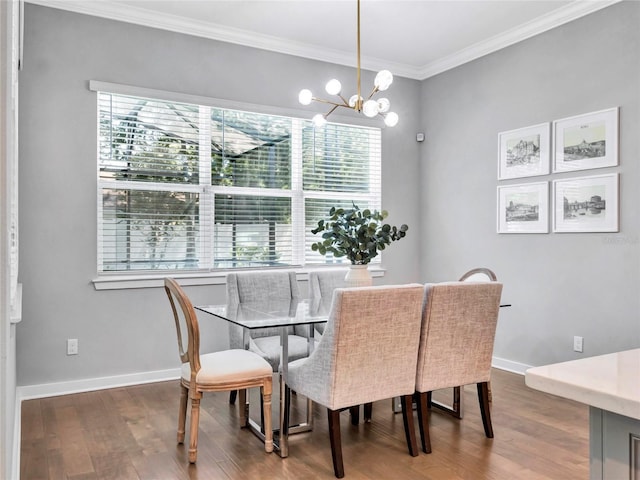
[{"x": 196, "y": 187}]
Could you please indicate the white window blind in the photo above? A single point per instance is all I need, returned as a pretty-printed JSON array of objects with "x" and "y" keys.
[{"x": 195, "y": 187}]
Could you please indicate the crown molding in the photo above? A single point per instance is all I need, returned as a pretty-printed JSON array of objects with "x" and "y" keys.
[
  {"x": 566, "y": 14},
  {"x": 148, "y": 18}
]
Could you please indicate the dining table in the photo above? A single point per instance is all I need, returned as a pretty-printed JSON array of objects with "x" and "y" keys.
[{"x": 281, "y": 315}]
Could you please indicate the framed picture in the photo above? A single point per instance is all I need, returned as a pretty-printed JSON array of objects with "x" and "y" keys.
[
  {"x": 524, "y": 152},
  {"x": 586, "y": 141},
  {"x": 586, "y": 204},
  {"x": 523, "y": 208}
]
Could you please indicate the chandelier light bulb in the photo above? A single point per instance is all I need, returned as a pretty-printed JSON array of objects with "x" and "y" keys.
[
  {"x": 370, "y": 108},
  {"x": 305, "y": 96},
  {"x": 383, "y": 80},
  {"x": 333, "y": 87},
  {"x": 383, "y": 105},
  {"x": 319, "y": 120},
  {"x": 391, "y": 119},
  {"x": 352, "y": 100}
]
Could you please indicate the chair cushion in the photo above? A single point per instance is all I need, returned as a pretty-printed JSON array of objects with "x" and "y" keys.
[
  {"x": 228, "y": 366},
  {"x": 269, "y": 348}
]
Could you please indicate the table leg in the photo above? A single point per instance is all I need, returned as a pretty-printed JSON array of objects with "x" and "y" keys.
[{"x": 283, "y": 438}]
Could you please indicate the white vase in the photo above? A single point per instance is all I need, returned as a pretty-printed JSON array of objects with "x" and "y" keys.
[{"x": 358, "y": 276}]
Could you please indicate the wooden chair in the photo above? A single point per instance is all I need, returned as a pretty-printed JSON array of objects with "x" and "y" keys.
[
  {"x": 213, "y": 372},
  {"x": 366, "y": 354},
  {"x": 479, "y": 275},
  {"x": 456, "y": 344}
]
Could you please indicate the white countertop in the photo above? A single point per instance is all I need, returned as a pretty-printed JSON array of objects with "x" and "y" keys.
[{"x": 609, "y": 382}]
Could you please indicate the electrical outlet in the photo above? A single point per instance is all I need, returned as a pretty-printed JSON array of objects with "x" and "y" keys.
[
  {"x": 72, "y": 346},
  {"x": 577, "y": 344}
]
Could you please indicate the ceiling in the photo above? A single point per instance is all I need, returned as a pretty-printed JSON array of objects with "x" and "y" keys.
[{"x": 412, "y": 38}]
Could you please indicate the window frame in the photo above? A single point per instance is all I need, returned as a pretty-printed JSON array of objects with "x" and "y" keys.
[{"x": 119, "y": 279}]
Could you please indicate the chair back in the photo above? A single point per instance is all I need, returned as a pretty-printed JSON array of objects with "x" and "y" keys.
[
  {"x": 186, "y": 325},
  {"x": 322, "y": 284},
  {"x": 278, "y": 288},
  {"x": 458, "y": 330},
  {"x": 261, "y": 286},
  {"x": 479, "y": 275},
  {"x": 369, "y": 348}
]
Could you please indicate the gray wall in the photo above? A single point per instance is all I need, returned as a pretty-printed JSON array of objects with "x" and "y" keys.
[
  {"x": 130, "y": 331},
  {"x": 560, "y": 285}
]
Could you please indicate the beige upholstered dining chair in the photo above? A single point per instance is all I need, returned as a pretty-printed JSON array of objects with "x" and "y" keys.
[
  {"x": 267, "y": 287},
  {"x": 213, "y": 372},
  {"x": 322, "y": 283},
  {"x": 367, "y": 352},
  {"x": 456, "y": 344},
  {"x": 456, "y": 408}
]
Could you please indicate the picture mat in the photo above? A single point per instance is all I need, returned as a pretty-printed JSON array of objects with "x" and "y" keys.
[
  {"x": 586, "y": 141},
  {"x": 586, "y": 204},
  {"x": 524, "y": 152},
  {"x": 523, "y": 208}
]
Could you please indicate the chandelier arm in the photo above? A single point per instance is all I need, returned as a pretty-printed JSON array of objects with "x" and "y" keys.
[
  {"x": 344, "y": 100},
  {"x": 329, "y": 102},
  {"x": 373, "y": 92},
  {"x": 332, "y": 110}
]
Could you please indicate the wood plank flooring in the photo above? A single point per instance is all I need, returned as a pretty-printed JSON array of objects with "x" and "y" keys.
[{"x": 130, "y": 433}]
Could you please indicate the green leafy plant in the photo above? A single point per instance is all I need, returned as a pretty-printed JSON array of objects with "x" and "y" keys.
[{"x": 356, "y": 234}]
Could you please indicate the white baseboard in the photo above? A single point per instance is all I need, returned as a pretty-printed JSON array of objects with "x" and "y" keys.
[
  {"x": 28, "y": 392},
  {"x": 509, "y": 366}
]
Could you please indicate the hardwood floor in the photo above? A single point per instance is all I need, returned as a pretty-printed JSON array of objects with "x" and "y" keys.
[{"x": 130, "y": 433}]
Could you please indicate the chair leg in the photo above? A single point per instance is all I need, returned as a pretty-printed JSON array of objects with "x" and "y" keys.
[
  {"x": 409, "y": 428},
  {"x": 265, "y": 390},
  {"x": 355, "y": 414},
  {"x": 182, "y": 413},
  {"x": 483, "y": 398},
  {"x": 336, "y": 443},
  {"x": 193, "y": 434},
  {"x": 368, "y": 411},
  {"x": 429, "y": 395},
  {"x": 423, "y": 420},
  {"x": 232, "y": 396},
  {"x": 243, "y": 408},
  {"x": 456, "y": 406}
]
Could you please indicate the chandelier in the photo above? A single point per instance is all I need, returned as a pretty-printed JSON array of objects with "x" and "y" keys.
[{"x": 369, "y": 107}]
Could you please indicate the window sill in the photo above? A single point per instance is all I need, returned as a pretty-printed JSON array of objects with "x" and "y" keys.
[{"x": 125, "y": 282}]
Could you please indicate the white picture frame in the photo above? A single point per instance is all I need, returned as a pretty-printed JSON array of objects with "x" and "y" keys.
[
  {"x": 523, "y": 208},
  {"x": 524, "y": 152},
  {"x": 586, "y": 141},
  {"x": 586, "y": 204}
]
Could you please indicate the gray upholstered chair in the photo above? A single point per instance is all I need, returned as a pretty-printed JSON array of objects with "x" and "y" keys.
[
  {"x": 278, "y": 289},
  {"x": 213, "y": 372},
  {"x": 456, "y": 344},
  {"x": 322, "y": 283},
  {"x": 367, "y": 352}
]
